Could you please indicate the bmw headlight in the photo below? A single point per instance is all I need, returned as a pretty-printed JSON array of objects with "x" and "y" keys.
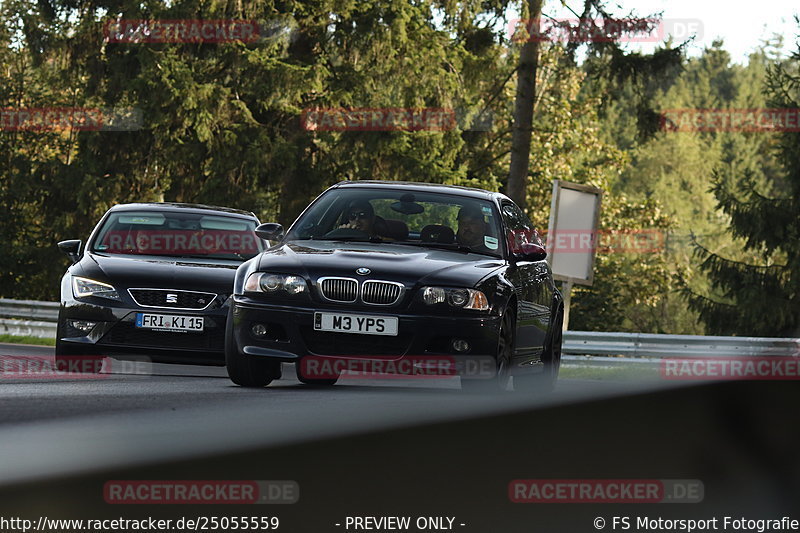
[
  {"x": 463, "y": 298},
  {"x": 273, "y": 283},
  {"x": 83, "y": 287}
]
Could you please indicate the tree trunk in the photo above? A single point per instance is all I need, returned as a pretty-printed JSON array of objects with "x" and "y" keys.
[{"x": 523, "y": 108}]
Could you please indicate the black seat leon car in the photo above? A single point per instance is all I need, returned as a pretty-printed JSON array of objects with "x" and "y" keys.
[
  {"x": 386, "y": 273},
  {"x": 154, "y": 280}
]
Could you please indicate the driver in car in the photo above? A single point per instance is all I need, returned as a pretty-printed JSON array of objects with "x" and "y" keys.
[
  {"x": 472, "y": 229},
  {"x": 361, "y": 216}
]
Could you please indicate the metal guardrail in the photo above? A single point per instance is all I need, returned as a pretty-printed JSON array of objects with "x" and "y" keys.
[
  {"x": 650, "y": 345},
  {"x": 38, "y": 319},
  {"x": 29, "y": 309},
  {"x": 28, "y": 328},
  {"x": 28, "y": 318}
]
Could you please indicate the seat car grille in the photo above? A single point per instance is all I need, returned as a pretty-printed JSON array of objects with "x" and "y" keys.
[
  {"x": 381, "y": 292},
  {"x": 172, "y": 299},
  {"x": 330, "y": 343},
  {"x": 126, "y": 334},
  {"x": 339, "y": 289}
]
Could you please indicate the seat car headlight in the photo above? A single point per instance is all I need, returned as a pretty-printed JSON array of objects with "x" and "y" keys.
[
  {"x": 274, "y": 283},
  {"x": 83, "y": 287},
  {"x": 463, "y": 298}
]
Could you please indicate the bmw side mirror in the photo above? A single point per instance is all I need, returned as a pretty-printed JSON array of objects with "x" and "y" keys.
[
  {"x": 270, "y": 231},
  {"x": 531, "y": 252},
  {"x": 72, "y": 248}
]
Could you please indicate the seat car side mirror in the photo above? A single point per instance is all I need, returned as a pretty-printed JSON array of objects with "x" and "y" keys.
[
  {"x": 531, "y": 252},
  {"x": 270, "y": 231},
  {"x": 72, "y": 248}
]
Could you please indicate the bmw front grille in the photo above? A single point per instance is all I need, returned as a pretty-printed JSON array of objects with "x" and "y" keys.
[{"x": 373, "y": 292}]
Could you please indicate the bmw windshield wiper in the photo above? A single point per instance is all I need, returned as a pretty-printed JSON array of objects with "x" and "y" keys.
[
  {"x": 442, "y": 245},
  {"x": 447, "y": 246},
  {"x": 350, "y": 239}
]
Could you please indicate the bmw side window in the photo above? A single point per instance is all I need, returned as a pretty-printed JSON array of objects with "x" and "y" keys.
[{"x": 519, "y": 228}]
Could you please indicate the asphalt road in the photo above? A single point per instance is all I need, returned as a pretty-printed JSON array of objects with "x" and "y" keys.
[{"x": 172, "y": 411}]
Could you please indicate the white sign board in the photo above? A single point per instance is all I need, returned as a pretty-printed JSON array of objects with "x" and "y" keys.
[{"x": 572, "y": 235}]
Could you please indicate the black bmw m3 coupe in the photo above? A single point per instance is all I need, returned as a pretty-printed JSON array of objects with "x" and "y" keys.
[
  {"x": 399, "y": 277},
  {"x": 154, "y": 280}
]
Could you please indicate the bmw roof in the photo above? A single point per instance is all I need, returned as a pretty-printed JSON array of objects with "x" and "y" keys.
[{"x": 423, "y": 187}]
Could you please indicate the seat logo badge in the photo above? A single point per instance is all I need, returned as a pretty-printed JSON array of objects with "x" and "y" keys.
[
  {"x": 172, "y": 298},
  {"x": 363, "y": 271}
]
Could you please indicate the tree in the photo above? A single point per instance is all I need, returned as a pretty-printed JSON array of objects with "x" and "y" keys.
[
  {"x": 598, "y": 31},
  {"x": 760, "y": 296},
  {"x": 523, "y": 108}
]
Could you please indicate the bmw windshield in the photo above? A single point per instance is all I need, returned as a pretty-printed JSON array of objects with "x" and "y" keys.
[{"x": 431, "y": 220}]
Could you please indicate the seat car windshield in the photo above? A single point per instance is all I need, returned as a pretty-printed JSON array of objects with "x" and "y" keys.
[
  {"x": 433, "y": 220},
  {"x": 177, "y": 234}
]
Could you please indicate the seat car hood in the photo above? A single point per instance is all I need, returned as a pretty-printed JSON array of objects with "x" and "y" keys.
[
  {"x": 166, "y": 273},
  {"x": 395, "y": 262}
]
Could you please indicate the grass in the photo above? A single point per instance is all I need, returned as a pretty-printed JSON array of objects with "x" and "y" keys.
[{"x": 19, "y": 339}]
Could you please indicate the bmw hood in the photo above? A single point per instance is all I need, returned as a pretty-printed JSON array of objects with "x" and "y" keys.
[{"x": 409, "y": 265}]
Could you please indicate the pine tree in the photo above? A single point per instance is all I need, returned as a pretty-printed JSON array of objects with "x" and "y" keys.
[{"x": 760, "y": 296}]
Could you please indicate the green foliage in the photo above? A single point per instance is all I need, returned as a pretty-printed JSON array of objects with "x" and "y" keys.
[
  {"x": 756, "y": 292},
  {"x": 222, "y": 125},
  {"x": 687, "y": 172}
]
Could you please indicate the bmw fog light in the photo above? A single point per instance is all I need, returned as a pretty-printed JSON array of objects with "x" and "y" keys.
[
  {"x": 259, "y": 330},
  {"x": 460, "y": 345}
]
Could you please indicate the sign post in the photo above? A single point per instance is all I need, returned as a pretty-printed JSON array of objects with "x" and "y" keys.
[{"x": 572, "y": 236}]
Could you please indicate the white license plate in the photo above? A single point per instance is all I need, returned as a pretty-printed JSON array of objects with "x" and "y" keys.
[
  {"x": 169, "y": 322},
  {"x": 365, "y": 324}
]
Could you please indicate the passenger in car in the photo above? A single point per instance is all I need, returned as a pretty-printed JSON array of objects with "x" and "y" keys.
[{"x": 472, "y": 229}]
